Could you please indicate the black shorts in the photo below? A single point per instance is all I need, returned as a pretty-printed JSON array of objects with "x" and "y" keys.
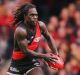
[{"x": 23, "y": 66}]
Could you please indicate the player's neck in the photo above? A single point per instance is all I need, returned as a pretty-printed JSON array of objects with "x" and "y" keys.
[{"x": 30, "y": 25}]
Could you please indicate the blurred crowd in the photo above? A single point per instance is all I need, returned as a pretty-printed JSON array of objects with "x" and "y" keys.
[{"x": 65, "y": 29}]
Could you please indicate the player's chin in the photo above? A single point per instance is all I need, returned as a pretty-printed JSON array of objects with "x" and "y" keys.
[{"x": 35, "y": 20}]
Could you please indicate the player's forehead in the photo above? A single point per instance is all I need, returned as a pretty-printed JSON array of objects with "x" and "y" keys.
[{"x": 32, "y": 11}]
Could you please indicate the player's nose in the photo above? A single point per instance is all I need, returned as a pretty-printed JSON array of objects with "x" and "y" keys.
[{"x": 35, "y": 17}]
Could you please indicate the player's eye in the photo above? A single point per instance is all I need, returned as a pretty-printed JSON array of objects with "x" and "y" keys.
[{"x": 33, "y": 14}]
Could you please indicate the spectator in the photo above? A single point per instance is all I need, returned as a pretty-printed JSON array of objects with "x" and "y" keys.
[
  {"x": 63, "y": 50},
  {"x": 77, "y": 19},
  {"x": 77, "y": 5},
  {"x": 52, "y": 26},
  {"x": 64, "y": 15},
  {"x": 62, "y": 23},
  {"x": 71, "y": 9}
]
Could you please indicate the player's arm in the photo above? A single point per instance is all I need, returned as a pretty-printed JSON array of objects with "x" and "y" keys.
[
  {"x": 47, "y": 35},
  {"x": 20, "y": 36},
  {"x": 59, "y": 62}
]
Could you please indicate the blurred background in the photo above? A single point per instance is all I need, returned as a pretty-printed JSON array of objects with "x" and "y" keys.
[{"x": 62, "y": 18}]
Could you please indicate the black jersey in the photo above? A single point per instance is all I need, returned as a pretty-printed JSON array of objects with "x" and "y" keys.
[{"x": 33, "y": 44}]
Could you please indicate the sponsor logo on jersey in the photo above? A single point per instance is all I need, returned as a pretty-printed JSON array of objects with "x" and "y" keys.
[{"x": 37, "y": 39}]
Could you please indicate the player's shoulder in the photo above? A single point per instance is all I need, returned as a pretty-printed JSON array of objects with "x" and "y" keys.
[
  {"x": 41, "y": 23},
  {"x": 20, "y": 32}
]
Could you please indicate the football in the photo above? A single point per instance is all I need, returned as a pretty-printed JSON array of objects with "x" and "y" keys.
[{"x": 58, "y": 64}]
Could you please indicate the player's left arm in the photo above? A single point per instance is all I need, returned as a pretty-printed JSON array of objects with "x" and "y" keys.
[
  {"x": 47, "y": 35},
  {"x": 51, "y": 42}
]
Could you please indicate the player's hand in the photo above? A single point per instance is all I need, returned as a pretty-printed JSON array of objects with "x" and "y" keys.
[
  {"x": 59, "y": 60},
  {"x": 59, "y": 64},
  {"x": 50, "y": 57},
  {"x": 54, "y": 61}
]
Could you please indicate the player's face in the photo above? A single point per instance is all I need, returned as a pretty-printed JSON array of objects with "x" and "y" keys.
[{"x": 32, "y": 15}]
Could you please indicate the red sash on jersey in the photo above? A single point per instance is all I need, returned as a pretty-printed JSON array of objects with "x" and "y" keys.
[
  {"x": 36, "y": 39},
  {"x": 33, "y": 46}
]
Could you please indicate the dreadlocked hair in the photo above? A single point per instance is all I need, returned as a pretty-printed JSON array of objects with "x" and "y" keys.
[{"x": 21, "y": 12}]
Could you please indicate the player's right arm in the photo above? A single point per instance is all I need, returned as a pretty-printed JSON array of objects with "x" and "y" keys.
[{"x": 20, "y": 35}]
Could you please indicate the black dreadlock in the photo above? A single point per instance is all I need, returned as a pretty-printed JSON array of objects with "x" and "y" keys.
[{"x": 23, "y": 10}]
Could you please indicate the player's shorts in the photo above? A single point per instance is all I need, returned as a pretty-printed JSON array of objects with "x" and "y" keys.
[{"x": 22, "y": 66}]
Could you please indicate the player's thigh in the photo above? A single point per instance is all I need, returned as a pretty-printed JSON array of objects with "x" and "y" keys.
[
  {"x": 35, "y": 71},
  {"x": 14, "y": 74}
]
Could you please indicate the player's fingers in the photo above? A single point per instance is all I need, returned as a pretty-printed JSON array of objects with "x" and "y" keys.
[{"x": 53, "y": 59}]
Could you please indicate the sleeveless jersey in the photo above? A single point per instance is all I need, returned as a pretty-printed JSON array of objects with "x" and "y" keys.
[{"x": 33, "y": 44}]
